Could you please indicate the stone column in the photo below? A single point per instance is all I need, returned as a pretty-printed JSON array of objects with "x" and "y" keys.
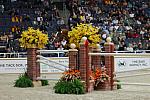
[
  {"x": 109, "y": 61},
  {"x": 33, "y": 71}
]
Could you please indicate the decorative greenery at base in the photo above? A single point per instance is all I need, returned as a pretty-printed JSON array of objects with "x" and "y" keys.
[
  {"x": 118, "y": 85},
  {"x": 23, "y": 81},
  {"x": 69, "y": 87},
  {"x": 44, "y": 82}
]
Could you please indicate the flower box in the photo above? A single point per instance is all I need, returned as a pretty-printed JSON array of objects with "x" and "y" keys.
[{"x": 102, "y": 86}]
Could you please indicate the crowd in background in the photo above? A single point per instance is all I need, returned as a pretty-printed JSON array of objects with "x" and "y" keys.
[{"x": 126, "y": 21}]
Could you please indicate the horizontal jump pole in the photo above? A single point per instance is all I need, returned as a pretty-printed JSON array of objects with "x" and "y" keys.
[
  {"x": 126, "y": 83},
  {"x": 49, "y": 65},
  {"x": 120, "y": 54},
  {"x": 47, "y": 59},
  {"x": 52, "y": 51}
]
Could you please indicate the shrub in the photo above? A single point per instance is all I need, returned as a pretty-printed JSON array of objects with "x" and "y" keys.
[
  {"x": 70, "y": 83},
  {"x": 78, "y": 87},
  {"x": 69, "y": 87},
  {"x": 23, "y": 81},
  {"x": 44, "y": 82},
  {"x": 118, "y": 85}
]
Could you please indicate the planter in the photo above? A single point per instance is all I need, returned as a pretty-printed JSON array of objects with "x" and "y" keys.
[
  {"x": 102, "y": 86},
  {"x": 91, "y": 86}
]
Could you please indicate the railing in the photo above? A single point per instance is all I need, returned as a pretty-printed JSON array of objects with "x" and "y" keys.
[
  {"x": 13, "y": 55},
  {"x": 46, "y": 61},
  {"x": 43, "y": 58},
  {"x": 50, "y": 53},
  {"x": 56, "y": 53},
  {"x": 120, "y": 54}
]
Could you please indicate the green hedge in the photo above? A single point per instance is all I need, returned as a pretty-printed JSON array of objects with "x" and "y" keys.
[
  {"x": 69, "y": 87},
  {"x": 118, "y": 85},
  {"x": 44, "y": 82},
  {"x": 23, "y": 81}
]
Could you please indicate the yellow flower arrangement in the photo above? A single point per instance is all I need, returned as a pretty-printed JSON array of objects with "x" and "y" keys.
[
  {"x": 33, "y": 38},
  {"x": 82, "y": 30}
]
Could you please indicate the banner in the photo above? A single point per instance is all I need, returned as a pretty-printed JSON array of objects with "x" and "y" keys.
[
  {"x": 129, "y": 64},
  {"x": 13, "y": 65},
  {"x": 121, "y": 64}
]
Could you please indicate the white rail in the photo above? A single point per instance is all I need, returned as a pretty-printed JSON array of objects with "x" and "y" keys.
[
  {"x": 13, "y": 55},
  {"x": 47, "y": 59},
  {"x": 58, "y": 52},
  {"x": 52, "y": 51},
  {"x": 50, "y": 65},
  {"x": 120, "y": 54}
]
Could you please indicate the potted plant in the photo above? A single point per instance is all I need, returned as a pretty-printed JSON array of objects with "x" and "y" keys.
[
  {"x": 33, "y": 39},
  {"x": 101, "y": 79},
  {"x": 70, "y": 83},
  {"x": 84, "y": 30}
]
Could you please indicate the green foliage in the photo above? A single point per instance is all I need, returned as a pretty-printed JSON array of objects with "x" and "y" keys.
[
  {"x": 44, "y": 82},
  {"x": 23, "y": 81},
  {"x": 69, "y": 87},
  {"x": 118, "y": 85}
]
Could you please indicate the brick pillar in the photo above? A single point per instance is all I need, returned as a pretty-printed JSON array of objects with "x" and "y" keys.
[
  {"x": 73, "y": 58},
  {"x": 33, "y": 70},
  {"x": 96, "y": 60},
  {"x": 109, "y": 63},
  {"x": 84, "y": 65}
]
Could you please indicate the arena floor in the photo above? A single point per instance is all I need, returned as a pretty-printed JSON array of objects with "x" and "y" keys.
[{"x": 128, "y": 92}]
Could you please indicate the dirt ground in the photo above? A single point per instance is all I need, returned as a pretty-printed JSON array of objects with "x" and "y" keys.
[{"x": 128, "y": 92}]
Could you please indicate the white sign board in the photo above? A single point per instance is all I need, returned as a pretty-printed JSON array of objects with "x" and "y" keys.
[
  {"x": 121, "y": 64},
  {"x": 129, "y": 64},
  {"x": 13, "y": 65}
]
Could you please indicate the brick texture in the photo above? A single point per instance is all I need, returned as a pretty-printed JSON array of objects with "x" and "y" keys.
[
  {"x": 33, "y": 69},
  {"x": 73, "y": 58},
  {"x": 96, "y": 60},
  {"x": 84, "y": 65},
  {"x": 109, "y": 63}
]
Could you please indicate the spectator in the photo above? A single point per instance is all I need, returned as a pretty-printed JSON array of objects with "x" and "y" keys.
[
  {"x": 130, "y": 48},
  {"x": 60, "y": 48},
  {"x": 2, "y": 8}
]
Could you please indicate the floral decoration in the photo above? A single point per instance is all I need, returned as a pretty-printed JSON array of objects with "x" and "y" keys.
[
  {"x": 71, "y": 75},
  {"x": 33, "y": 38},
  {"x": 82, "y": 30},
  {"x": 99, "y": 76}
]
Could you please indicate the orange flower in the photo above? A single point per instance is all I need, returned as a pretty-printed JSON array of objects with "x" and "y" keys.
[
  {"x": 99, "y": 75},
  {"x": 71, "y": 74}
]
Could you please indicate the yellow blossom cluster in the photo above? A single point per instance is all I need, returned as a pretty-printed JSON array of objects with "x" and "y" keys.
[
  {"x": 33, "y": 38},
  {"x": 82, "y": 30}
]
